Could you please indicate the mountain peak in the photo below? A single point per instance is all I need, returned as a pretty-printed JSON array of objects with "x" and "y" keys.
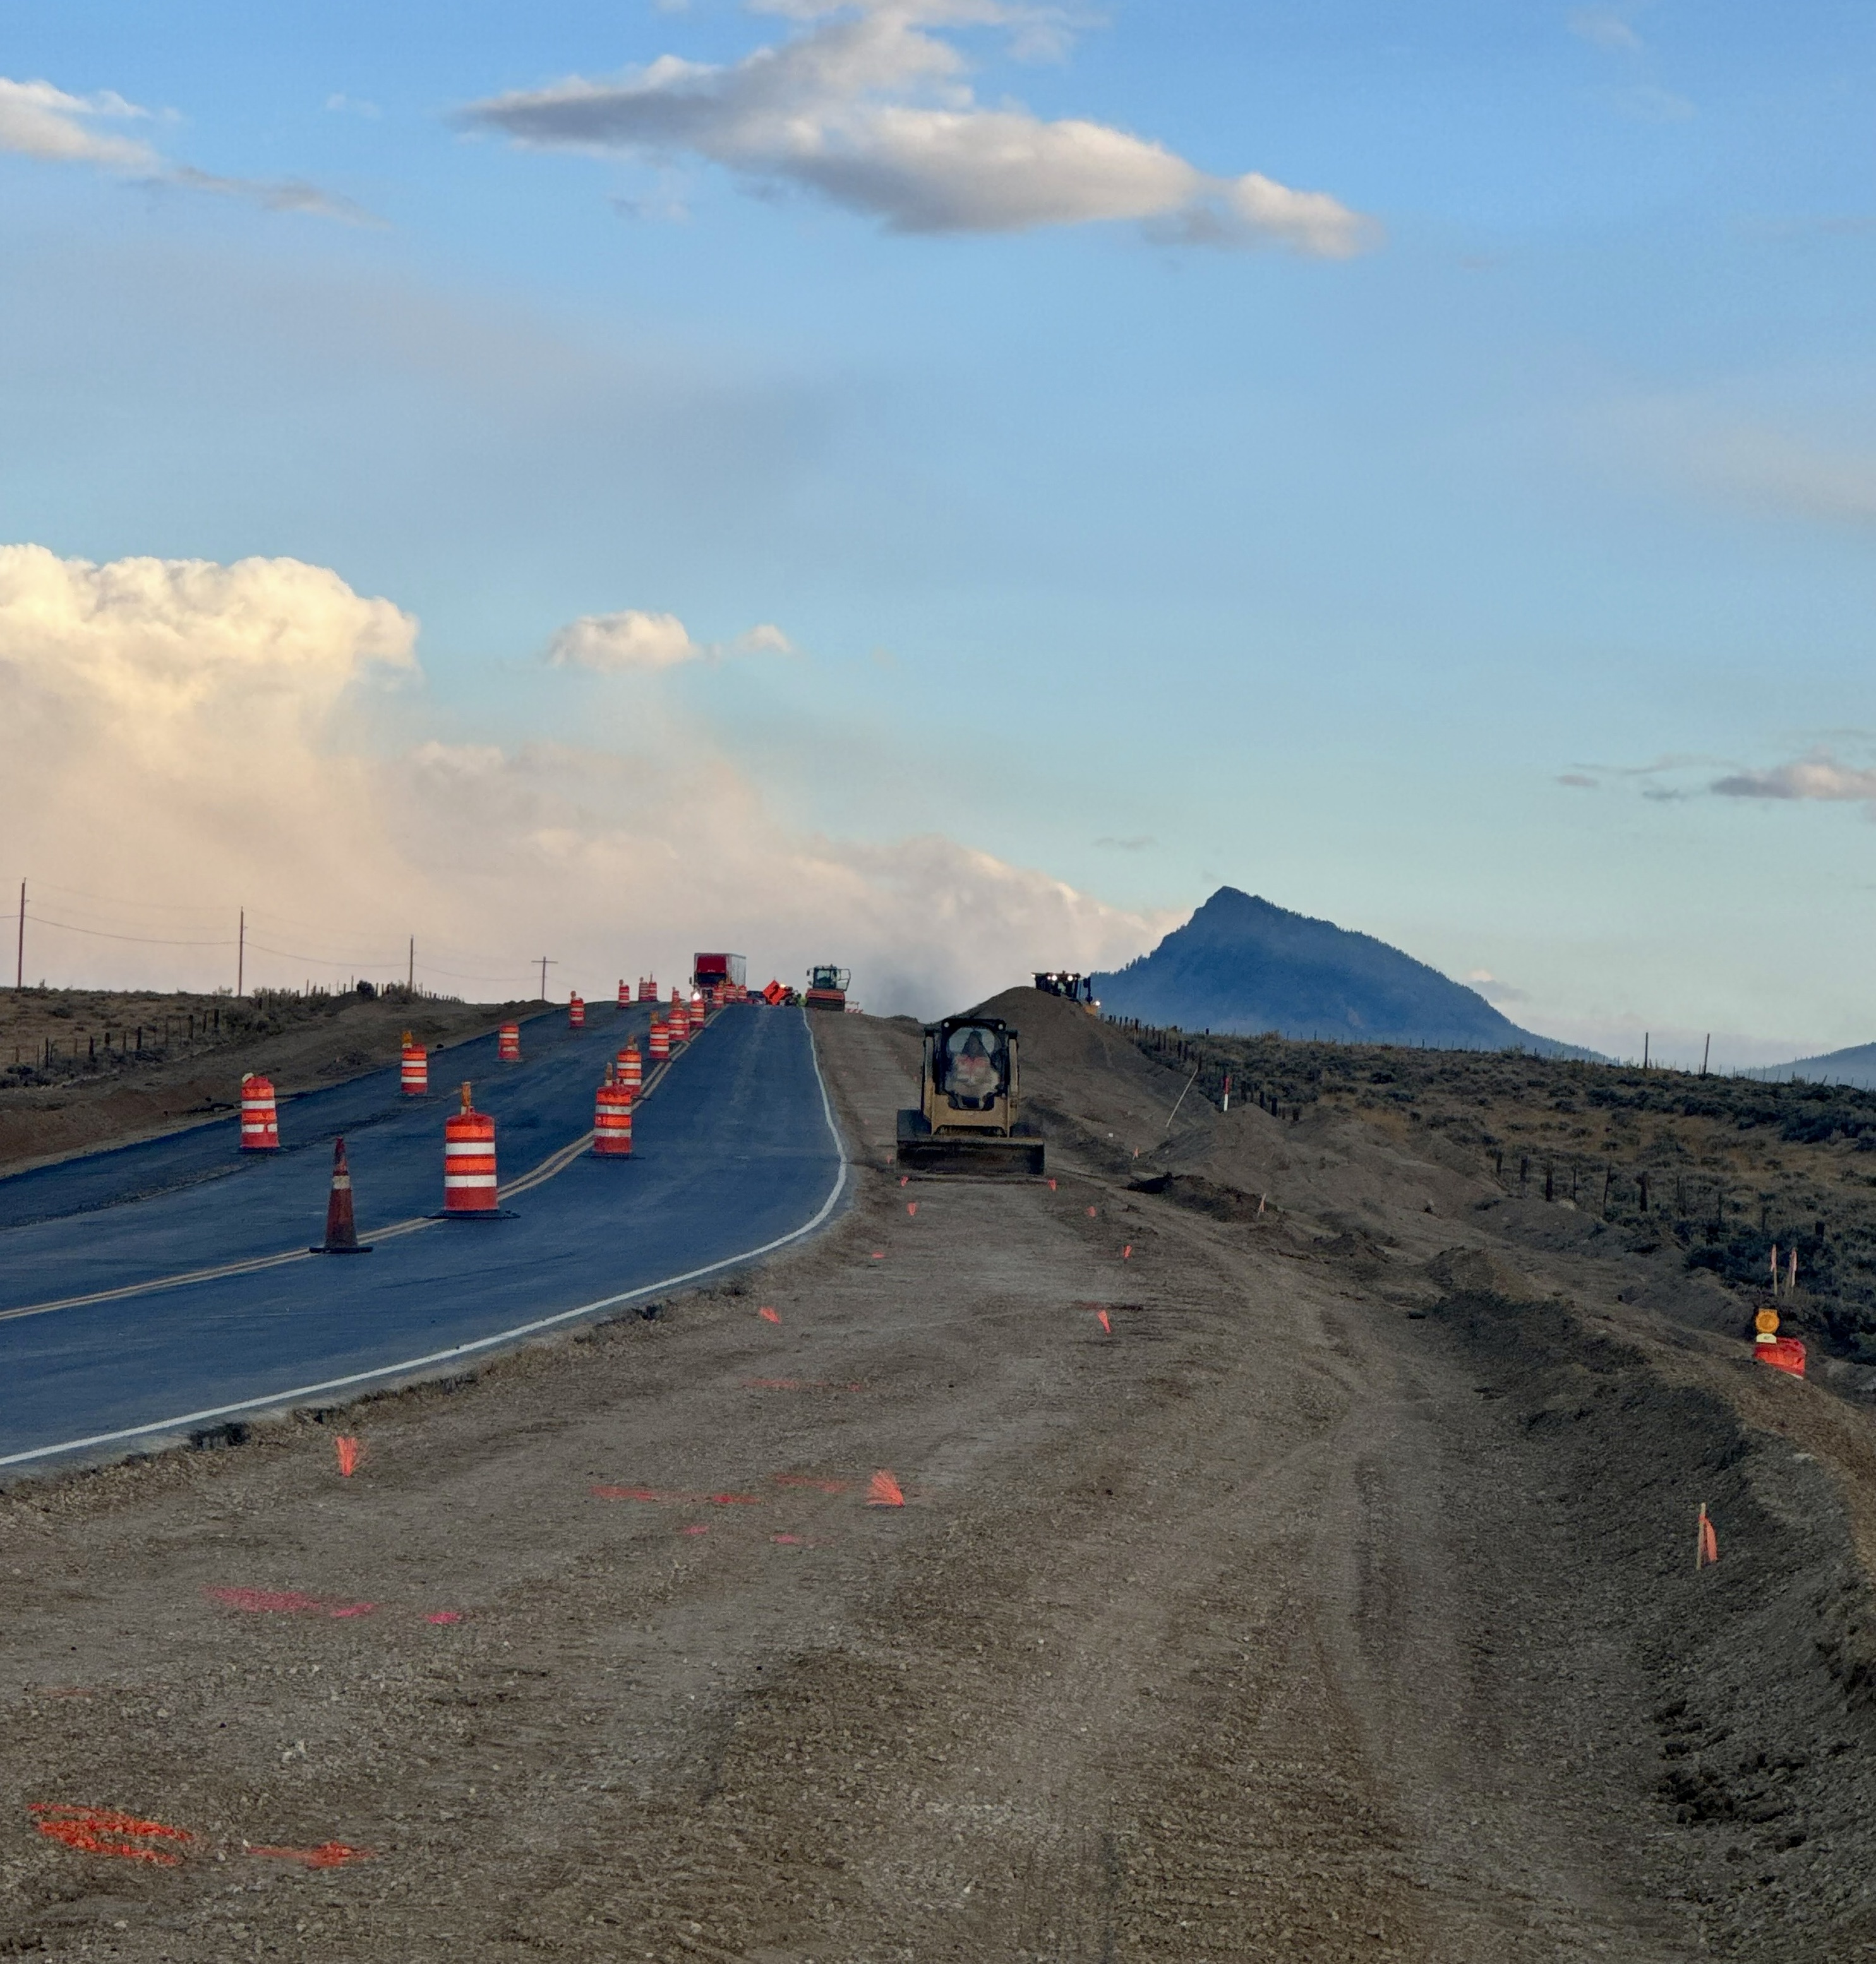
[{"x": 1242, "y": 964}]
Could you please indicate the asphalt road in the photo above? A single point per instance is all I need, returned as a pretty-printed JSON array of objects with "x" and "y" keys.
[{"x": 734, "y": 1150}]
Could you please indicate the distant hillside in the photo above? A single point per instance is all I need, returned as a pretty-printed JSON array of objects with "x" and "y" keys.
[
  {"x": 1241, "y": 964},
  {"x": 1856, "y": 1066}
]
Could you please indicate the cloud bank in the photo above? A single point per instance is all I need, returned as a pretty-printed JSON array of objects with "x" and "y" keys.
[
  {"x": 178, "y": 735},
  {"x": 871, "y": 111}
]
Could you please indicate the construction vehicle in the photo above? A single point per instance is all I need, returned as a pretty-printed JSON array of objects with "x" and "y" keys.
[
  {"x": 1077, "y": 988},
  {"x": 827, "y": 987},
  {"x": 966, "y": 1118}
]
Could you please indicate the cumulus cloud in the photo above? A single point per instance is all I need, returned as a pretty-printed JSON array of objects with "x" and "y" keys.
[
  {"x": 38, "y": 120},
  {"x": 1818, "y": 777},
  {"x": 1492, "y": 990},
  {"x": 177, "y": 734},
  {"x": 871, "y": 110},
  {"x": 614, "y": 642}
]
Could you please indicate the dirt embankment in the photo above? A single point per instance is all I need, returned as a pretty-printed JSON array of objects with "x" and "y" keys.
[
  {"x": 1325, "y": 1603},
  {"x": 80, "y": 1068}
]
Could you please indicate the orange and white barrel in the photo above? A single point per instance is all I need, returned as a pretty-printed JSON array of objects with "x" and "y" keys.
[
  {"x": 658, "y": 1042},
  {"x": 260, "y": 1120},
  {"x": 613, "y": 1120},
  {"x": 624, "y": 994},
  {"x": 508, "y": 1050},
  {"x": 699, "y": 1011},
  {"x": 677, "y": 1019},
  {"x": 469, "y": 1161},
  {"x": 647, "y": 988},
  {"x": 413, "y": 1072},
  {"x": 576, "y": 1012},
  {"x": 632, "y": 1067}
]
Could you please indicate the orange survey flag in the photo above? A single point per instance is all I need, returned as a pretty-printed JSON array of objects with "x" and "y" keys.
[{"x": 1708, "y": 1549}]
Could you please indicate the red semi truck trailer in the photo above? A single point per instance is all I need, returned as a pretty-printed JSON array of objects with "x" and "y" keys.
[{"x": 731, "y": 970}]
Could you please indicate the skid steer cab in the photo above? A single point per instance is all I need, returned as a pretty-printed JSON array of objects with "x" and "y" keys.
[{"x": 966, "y": 1121}]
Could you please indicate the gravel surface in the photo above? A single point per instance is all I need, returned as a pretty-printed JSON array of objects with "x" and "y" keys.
[{"x": 1337, "y": 1601}]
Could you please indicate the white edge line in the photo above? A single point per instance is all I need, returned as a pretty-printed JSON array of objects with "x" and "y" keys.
[{"x": 481, "y": 1342}]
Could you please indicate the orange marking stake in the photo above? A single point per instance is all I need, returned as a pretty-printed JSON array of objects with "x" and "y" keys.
[
  {"x": 103, "y": 1831},
  {"x": 1105, "y": 1324},
  {"x": 905, "y": 1180},
  {"x": 1051, "y": 1186},
  {"x": 327, "y": 1855},
  {"x": 911, "y": 1207},
  {"x": 348, "y": 1450},
  {"x": 880, "y": 1254},
  {"x": 1126, "y": 1253},
  {"x": 768, "y": 1315},
  {"x": 1091, "y": 1213},
  {"x": 1706, "y": 1543},
  {"x": 882, "y": 1491}
]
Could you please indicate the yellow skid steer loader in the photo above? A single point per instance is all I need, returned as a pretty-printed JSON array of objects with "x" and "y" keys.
[{"x": 966, "y": 1118}]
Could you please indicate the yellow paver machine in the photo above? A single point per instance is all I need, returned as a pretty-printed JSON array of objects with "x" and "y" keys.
[{"x": 966, "y": 1120}]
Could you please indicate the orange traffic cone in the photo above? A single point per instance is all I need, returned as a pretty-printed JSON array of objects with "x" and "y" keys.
[{"x": 342, "y": 1229}]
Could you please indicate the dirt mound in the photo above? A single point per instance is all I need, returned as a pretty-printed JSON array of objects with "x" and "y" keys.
[{"x": 1479, "y": 1271}]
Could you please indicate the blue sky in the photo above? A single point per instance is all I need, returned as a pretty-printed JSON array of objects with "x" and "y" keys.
[{"x": 1424, "y": 558}]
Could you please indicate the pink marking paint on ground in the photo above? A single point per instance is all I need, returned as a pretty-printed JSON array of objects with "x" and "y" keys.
[
  {"x": 660, "y": 1496},
  {"x": 911, "y": 1207},
  {"x": 327, "y": 1855},
  {"x": 443, "y": 1617},
  {"x": 1090, "y": 1213},
  {"x": 880, "y": 1254},
  {"x": 350, "y": 1608},
  {"x": 266, "y": 1602},
  {"x": 104, "y": 1831},
  {"x": 694, "y": 1529}
]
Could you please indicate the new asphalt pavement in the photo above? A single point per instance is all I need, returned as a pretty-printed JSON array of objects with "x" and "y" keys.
[{"x": 165, "y": 1286}]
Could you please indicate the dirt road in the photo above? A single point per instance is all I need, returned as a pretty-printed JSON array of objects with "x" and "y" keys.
[{"x": 1313, "y": 1609}]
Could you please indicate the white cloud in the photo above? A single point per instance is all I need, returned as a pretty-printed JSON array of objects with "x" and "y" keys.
[
  {"x": 176, "y": 734},
  {"x": 1819, "y": 777},
  {"x": 1604, "y": 27},
  {"x": 39, "y": 121},
  {"x": 612, "y": 642},
  {"x": 1492, "y": 990},
  {"x": 873, "y": 112}
]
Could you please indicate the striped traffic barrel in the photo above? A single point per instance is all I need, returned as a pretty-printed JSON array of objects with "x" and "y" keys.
[
  {"x": 469, "y": 1161},
  {"x": 576, "y": 1012},
  {"x": 699, "y": 1011},
  {"x": 632, "y": 1067},
  {"x": 647, "y": 988},
  {"x": 508, "y": 1050},
  {"x": 260, "y": 1121},
  {"x": 677, "y": 1018},
  {"x": 413, "y": 1073},
  {"x": 658, "y": 1042},
  {"x": 624, "y": 994},
  {"x": 613, "y": 1120}
]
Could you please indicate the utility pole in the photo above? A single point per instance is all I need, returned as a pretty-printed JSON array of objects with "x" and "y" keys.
[
  {"x": 1705, "y": 1053},
  {"x": 545, "y": 965},
  {"x": 410, "y": 978},
  {"x": 19, "y": 952},
  {"x": 1644, "y": 1050},
  {"x": 241, "y": 954}
]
